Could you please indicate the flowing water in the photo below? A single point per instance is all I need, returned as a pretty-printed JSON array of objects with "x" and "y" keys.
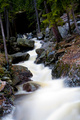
[{"x": 52, "y": 101}]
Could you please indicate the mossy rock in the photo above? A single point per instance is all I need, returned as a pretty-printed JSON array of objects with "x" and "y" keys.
[
  {"x": 74, "y": 75},
  {"x": 60, "y": 69}
]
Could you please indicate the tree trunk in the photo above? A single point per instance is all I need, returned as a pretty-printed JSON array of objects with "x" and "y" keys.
[
  {"x": 56, "y": 33},
  {"x": 7, "y": 25},
  {"x": 68, "y": 21},
  {"x": 75, "y": 21},
  {"x": 37, "y": 16},
  {"x": 46, "y": 8},
  {"x": 54, "y": 28},
  {"x": 6, "y": 22},
  {"x": 4, "y": 40}
]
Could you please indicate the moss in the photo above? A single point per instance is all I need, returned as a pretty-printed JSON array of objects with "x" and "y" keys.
[
  {"x": 60, "y": 69},
  {"x": 1, "y": 71}
]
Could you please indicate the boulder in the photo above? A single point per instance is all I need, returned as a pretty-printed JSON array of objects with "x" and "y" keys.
[
  {"x": 40, "y": 36},
  {"x": 20, "y": 74},
  {"x": 30, "y": 87},
  {"x": 39, "y": 51},
  {"x": 41, "y": 58},
  {"x": 47, "y": 32},
  {"x": 18, "y": 57},
  {"x": 25, "y": 43},
  {"x": 63, "y": 30}
]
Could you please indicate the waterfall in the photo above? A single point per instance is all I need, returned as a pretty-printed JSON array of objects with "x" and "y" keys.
[{"x": 52, "y": 101}]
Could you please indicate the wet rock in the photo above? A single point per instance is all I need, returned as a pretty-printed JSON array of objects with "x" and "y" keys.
[
  {"x": 40, "y": 36},
  {"x": 48, "y": 45},
  {"x": 39, "y": 51},
  {"x": 50, "y": 57},
  {"x": 78, "y": 23},
  {"x": 8, "y": 90},
  {"x": 29, "y": 36},
  {"x": 4, "y": 78},
  {"x": 20, "y": 74},
  {"x": 5, "y": 105},
  {"x": 18, "y": 57},
  {"x": 41, "y": 58},
  {"x": 74, "y": 75},
  {"x": 25, "y": 43},
  {"x": 2, "y": 85},
  {"x": 30, "y": 87}
]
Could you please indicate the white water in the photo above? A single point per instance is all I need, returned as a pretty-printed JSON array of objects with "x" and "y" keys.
[{"x": 51, "y": 102}]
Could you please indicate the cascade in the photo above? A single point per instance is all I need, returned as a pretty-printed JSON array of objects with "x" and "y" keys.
[{"x": 52, "y": 101}]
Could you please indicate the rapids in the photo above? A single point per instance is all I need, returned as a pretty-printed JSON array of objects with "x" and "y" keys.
[{"x": 53, "y": 101}]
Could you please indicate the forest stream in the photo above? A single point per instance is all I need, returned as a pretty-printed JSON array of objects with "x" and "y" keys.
[{"x": 52, "y": 101}]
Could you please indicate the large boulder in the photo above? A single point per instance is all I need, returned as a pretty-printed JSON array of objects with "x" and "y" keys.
[
  {"x": 25, "y": 43},
  {"x": 18, "y": 57},
  {"x": 20, "y": 74}
]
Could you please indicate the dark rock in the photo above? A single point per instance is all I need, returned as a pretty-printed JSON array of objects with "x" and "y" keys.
[
  {"x": 5, "y": 105},
  {"x": 12, "y": 39},
  {"x": 39, "y": 51},
  {"x": 59, "y": 53},
  {"x": 41, "y": 58},
  {"x": 69, "y": 39},
  {"x": 18, "y": 57},
  {"x": 30, "y": 87},
  {"x": 50, "y": 58},
  {"x": 8, "y": 90},
  {"x": 20, "y": 74}
]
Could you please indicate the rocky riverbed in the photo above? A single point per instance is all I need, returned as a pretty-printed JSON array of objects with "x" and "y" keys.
[{"x": 63, "y": 58}]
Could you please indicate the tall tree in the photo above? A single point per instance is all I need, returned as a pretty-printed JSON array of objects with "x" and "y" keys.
[
  {"x": 70, "y": 5},
  {"x": 52, "y": 17},
  {"x": 4, "y": 40},
  {"x": 37, "y": 17}
]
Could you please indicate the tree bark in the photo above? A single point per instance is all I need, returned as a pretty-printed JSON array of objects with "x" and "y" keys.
[
  {"x": 6, "y": 22},
  {"x": 54, "y": 28},
  {"x": 75, "y": 21},
  {"x": 68, "y": 22},
  {"x": 36, "y": 11},
  {"x": 7, "y": 25},
  {"x": 4, "y": 40},
  {"x": 46, "y": 8},
  {"x": 56, "y": 33}
]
